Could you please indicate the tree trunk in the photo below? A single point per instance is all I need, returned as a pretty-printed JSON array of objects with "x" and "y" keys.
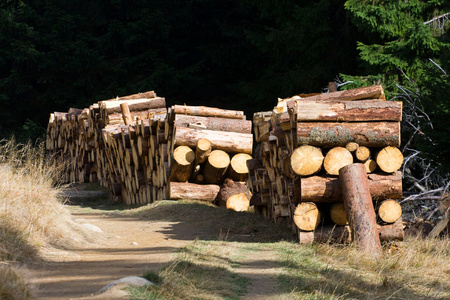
[
  {"x": 335, "y": 159},
  {"x": 216, "y": 167},
  {"x": 238, "y": 169},
  {"x": 208, "y": 112},
  {"x": 367, "y": 92},
  {"x": 348, "y": 111},
  {"x": 389, "y": 159},
  {"x": 307, "y": 216},
  {"x": 231, "y": 142},
  {"x": 359, "y": 208},
  {"x": 214, "y": 123},
  {"x": 186, "y": 190},
  {"x": 328, "y": 189},
  {"x": 389, "y": 211},
  {"x": 183, "y": 163},
  {"x": 306, "y": 160},
  {"x": 332, "y": 134}
]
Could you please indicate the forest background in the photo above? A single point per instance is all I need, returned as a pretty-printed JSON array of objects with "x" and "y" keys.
[{"x": 235, "y": 54}]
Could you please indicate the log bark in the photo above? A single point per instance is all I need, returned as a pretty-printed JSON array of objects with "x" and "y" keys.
[
  {"x": 214, "y": 123},
  {"x": 238, "y": 169},
  {"x": 231, "y": 142},
  {"x": 202, "y": 150},
  {"x": 145, "y": 95},
  {"x": 186, "y": 190},
  {"x": 229, "y": 189},
  {"x": 208, "y": 112},
  {"x": 389, "y": 159},
  {"x": 306, "y": 160},
  {"x": 335, "y": 159},
  {"x": 328, "y": 189},
  {"x": 331, "y": 134},
  {"x": 389, "y": 211},
  {"x": 368, "y": 92},
  {"x": 216, "y": 167},
  {"x": 307, "y": 216},
  {"x": 348, "y": 111},
  {"x": 183, "y": 164},
  {"x": 391, "y": 232},
  {"x": 359, "y": 208}
]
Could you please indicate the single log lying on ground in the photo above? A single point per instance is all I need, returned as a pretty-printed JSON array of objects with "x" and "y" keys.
[
  {"x": 238, "y": 169},
  {"x": 328, "y": 189},
  {"x": 389, "y": 159},
  {"x": 389, "y": 211},
  {"x": 231, "y": 142},
  {"x": 332, "y": 134},
  {"x": 186, "y": 190},
  {"x": 214, "y": 123},
  {"x": 367, "y": 92},
  {"x": 229, "y": 189},
  {"x": 359, "y": 208},
  {"x": 202, "y": 150},
  {"x": 216, "y": 167},
  {"x": 208, "y": 112},
  {"x": 348, "y": 111},
  {"x": 307, "y": 216},
  {"x": 335, "y": 159},
  {"x": 306, "y": 160},
  {"x": 183, "y": 163}
]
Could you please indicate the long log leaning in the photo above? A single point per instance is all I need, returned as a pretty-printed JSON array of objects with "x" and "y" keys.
[
  {"x": 328, "y": 189},
  {"x": 205, "y": 111},
  {"x": 231, "y": 142},
  {"x": 348, "y": 111},
  {"x": 331, "y": 134},
  {"x": 214, "y": 123},
  {"x": 186, "y": 190}
]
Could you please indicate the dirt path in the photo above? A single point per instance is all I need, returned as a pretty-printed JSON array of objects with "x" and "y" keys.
[{"x": 131, "y": 247}]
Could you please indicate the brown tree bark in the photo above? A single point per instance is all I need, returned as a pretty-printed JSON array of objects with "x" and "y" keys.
[
  {"x": 332, "y": 134},
  {"x": 231, "y": 142},
  {"x": 348, "y": 111},
  {"x": 359, "y": 208},
  {"x": 213, "y": 123},
  {"x": 186, "y": 190}
]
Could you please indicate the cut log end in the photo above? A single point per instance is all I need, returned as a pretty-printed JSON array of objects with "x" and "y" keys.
[
  {"x": 338, "y": 215},
  {"x": 238, "y": 202},
  {"x": 307, "y": 216},
  {"x": 389, "y": 159},
  {"x": 389, "y": 211},
  {"x": 306, "y": 160},
  {"x": 337, "y": 158}
]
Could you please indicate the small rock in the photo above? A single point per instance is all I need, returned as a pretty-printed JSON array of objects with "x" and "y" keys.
[
  {"x": 91, "y": 227},
  {"x": 134, "y": 243},
  {"x": 130, "y": 280}
]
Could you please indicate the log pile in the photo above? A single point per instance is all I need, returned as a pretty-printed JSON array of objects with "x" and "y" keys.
[
  {"x": 304, "y": 142},
  {"x": 122, "y": 143},
  {"x": 211, "y": 147}
]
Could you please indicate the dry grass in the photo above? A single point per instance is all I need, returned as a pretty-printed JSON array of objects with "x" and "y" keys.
[
  {"x": 12, "y": 285},
  {"x": 32, "y": 218}
]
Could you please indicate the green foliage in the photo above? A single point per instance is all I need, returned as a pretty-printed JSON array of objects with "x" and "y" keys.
[{"x": 408, "y": 52}]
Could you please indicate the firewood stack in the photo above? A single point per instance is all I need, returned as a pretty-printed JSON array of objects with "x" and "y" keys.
[
  {"x": 99, "y": 146},
  {"x": 304, "y": 142},
  {"x": 211, "y": 145}
]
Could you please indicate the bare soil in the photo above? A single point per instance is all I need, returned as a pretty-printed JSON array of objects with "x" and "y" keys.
[{"x": 131, "y": 246}]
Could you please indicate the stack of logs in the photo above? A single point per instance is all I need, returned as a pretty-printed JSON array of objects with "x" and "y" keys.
[
  {"x": 122, "y": 143},
  {"x": 212, "y": 146},
  {"x": 304, "y": 142}
]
